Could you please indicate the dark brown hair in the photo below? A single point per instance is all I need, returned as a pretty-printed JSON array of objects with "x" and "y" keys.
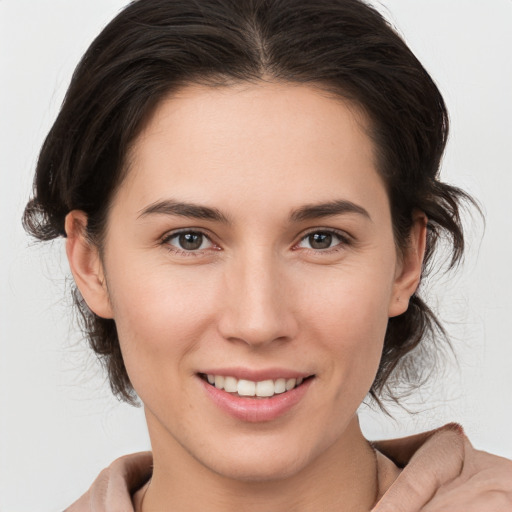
[{"x": 346, "y": 47}]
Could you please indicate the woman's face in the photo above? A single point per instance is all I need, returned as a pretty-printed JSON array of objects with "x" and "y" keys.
[{"x": 252, "y": 239}]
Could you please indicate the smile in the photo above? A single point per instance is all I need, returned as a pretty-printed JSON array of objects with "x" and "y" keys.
[
  {"x": 256, "y": 396},
  {"x": 248, "y": 388}
]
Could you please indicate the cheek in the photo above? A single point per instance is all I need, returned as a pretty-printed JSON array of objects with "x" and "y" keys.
[
  {"x": 160, "y": 315},
  {"x": 349, "y": 320},
  {"x": 164, "y": 313}
]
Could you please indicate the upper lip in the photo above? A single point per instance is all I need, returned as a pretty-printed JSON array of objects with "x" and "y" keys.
[{"x": 257, "y": 375}]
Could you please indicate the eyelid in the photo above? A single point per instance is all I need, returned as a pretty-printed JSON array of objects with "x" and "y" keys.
[
  {"x": 175, "y": 232},
  {"x": 344, "y": 237},
  {"x": 164, "y": 240}
]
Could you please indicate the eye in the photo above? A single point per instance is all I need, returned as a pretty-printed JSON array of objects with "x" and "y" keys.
[
  {"x": 189, "y": 241},
  {"x": 322, "y": 240}
]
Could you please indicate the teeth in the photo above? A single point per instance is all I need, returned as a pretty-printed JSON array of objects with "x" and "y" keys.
[
  {"x": 290, "y": 384},
  {"x": 246, "y": 388},
  {"x": 230, "y": 384},
  {"x": 264, "y": 388},
  {"x": 280, "y": 386},
  {"x": 219, "y": 382}
]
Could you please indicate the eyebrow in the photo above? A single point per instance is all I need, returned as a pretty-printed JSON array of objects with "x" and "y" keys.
[
  {"x": 181, "y": 209},
  {"x": 307, "y": 212},
  {"x": 330, "y": 209}
]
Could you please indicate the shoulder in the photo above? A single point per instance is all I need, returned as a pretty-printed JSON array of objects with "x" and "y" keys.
[
  {"x": 116, "y": 484},
  {"x": 443, "y": 469}
]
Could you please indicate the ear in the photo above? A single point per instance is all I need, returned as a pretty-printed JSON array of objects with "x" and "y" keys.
[
  {"x": 409, "y": 266},
  {"x": 86, "y": 266}
]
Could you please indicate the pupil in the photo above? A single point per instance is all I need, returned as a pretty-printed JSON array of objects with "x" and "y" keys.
[
  {"x": 320, "y": 240},
  {"x": 191, "y": 241}
]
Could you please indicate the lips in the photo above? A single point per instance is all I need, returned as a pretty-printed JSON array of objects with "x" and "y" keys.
[{"x": 256, "y": 399}]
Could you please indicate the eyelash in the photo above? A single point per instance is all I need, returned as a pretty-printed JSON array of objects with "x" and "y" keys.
[
  {"x": 345, "y": 240},
  {"x": 181, "y": 252}
]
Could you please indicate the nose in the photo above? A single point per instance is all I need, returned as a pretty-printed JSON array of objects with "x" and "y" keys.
[{"x": 257, "y": 307}]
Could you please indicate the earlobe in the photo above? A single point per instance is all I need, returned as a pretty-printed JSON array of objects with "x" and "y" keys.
[
  {"x": 86, "y": 266},
  {"x": 409, "y": 270}
]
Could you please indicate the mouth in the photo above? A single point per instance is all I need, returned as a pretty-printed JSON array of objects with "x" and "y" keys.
[{"x": 264, "y": 389}]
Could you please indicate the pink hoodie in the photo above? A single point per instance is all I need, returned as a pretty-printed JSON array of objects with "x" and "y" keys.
[{"x": 431, "y": 460}]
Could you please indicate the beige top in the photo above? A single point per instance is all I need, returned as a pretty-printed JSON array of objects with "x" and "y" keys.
[
  {"x": 386, "y": 469},
  {"x": 444, "y": 453}
]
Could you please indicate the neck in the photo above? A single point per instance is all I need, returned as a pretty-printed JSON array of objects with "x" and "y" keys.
[{"x": 344, "y": 477}]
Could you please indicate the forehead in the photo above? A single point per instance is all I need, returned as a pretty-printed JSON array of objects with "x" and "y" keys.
[{"x": 279, "y": 140}]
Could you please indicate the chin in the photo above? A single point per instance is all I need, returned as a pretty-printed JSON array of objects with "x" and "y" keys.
[
  {"x": 259, "y": 471},
  {"x": 259, "y": 463}
]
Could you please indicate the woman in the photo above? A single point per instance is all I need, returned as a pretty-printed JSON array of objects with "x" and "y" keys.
[{"x": 249, "y": 209}]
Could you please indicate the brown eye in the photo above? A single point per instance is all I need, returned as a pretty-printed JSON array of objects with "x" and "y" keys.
[
  {"x": 189, "y": 241},
  {"x": 322, "y": 240}
]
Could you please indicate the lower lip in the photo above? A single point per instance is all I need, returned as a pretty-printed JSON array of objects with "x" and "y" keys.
[{"x": 256, "y": 410}]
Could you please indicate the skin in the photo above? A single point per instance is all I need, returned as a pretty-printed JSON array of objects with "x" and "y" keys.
[
  {"x": 257, "y": 293},
  {"x": 444, "y": 472}
]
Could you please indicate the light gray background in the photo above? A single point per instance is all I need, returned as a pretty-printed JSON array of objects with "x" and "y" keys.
[{"x": 58, "y": 424}]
